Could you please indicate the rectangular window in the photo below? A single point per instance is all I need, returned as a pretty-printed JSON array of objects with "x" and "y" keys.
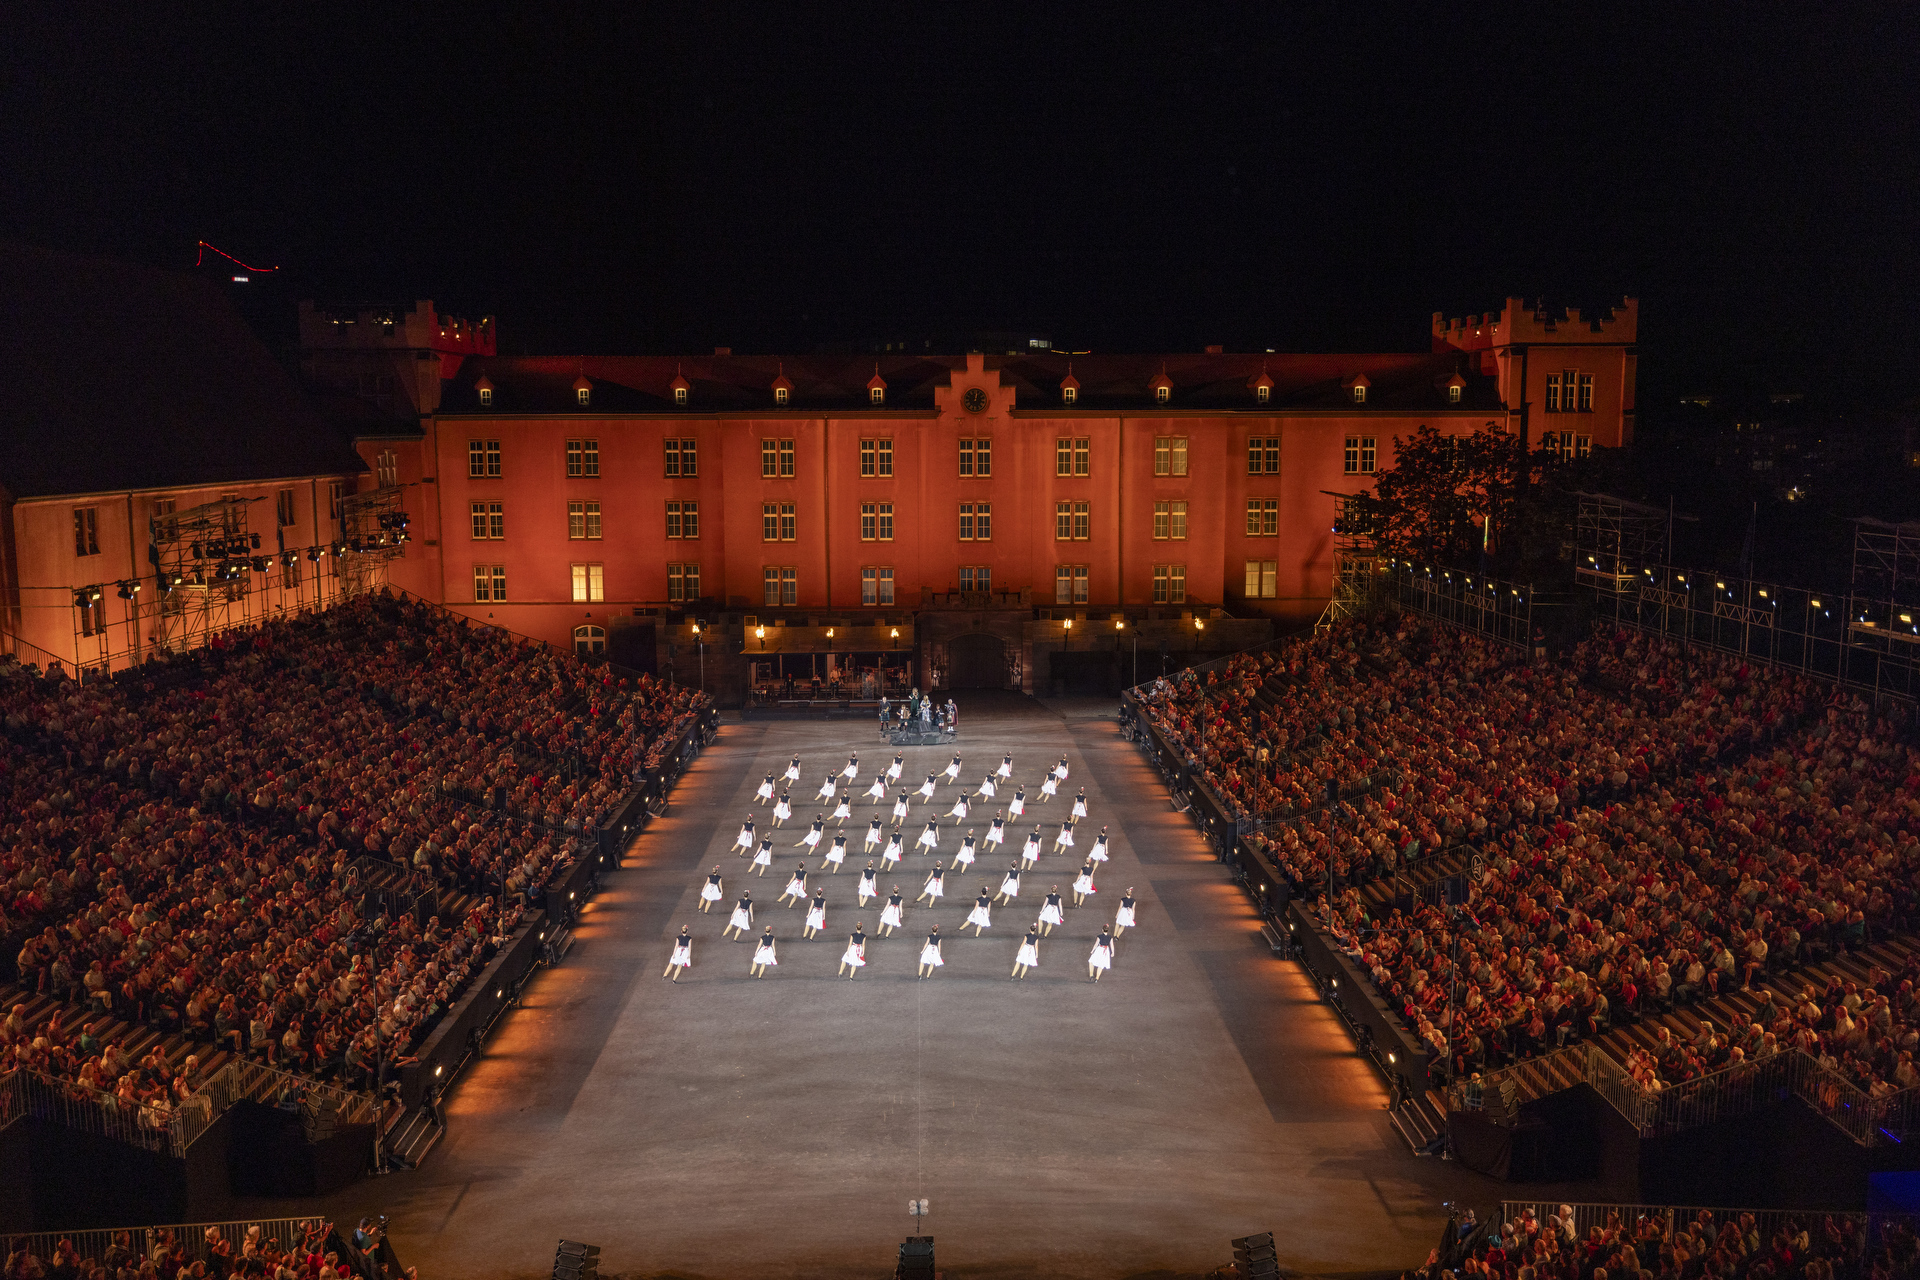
[
  {"x": 1170, "y": 455},
  {"x": 1263, "y": 455},
  {"x": 335, "y": 491},
  {"x": 1263, "y": 578},
  {"x": 1582, "y": 446},
  {"x": 1062, "y": 521},
  {"x": 1169, "y": 519},
  {"x": 589, "y": 583},
  {"x": 583, "y": 458},
  {"x": 583, "y": 520},
  {"x": 1553, "y": 393},
  {"x": 976, "y": 456},
  {"x": 769, "y": 522},
  {"x": 682, "y": 459},
  {"x": 683, "y": 583},
  {"x": 789, "y": 524},
  {"x": 976, "y": 577},
  {"x": 489, "y": 520},
  {"x": 789, "y": 585},
  {"x": 869, "y": 521},
  {"x": 886, "y": 522},
  {"x": 86, "y": 531},
  {"x": 966, "y": 522},
  {"x": 869, "y": 459},
  {"x": 776, "y": 459},
  {"x": 1069, "y": 584},
  {"x": 770, "y": 578},
  {"x": 1082, "y": 522},
  {"x": 1586, "y": 393},
  {"x": 283, "y": 508},
  {"x": 479, "y": 512},
  {"x": 884, "y": 458},
  {"x": 1169, "y": 584},
  {"x": 882, "y": 588},
  {"x": 786, "y": 459},
  {"x": 1360, "y": 455},
  {"x": 163, "y": 509},
  {"x": 386, "y": 468},
  {"x": 976, "y": 521},
  {"x": 483, "y": 459},
  {"x": 1162, "y": 519},
  {"x": 1082, "y": 456},
  {"x": 489, "y": 582},
  {"x": 683, "y": 519},
  {"x": 1263, "y": 517},
  {"x": 1072, "y": 456}
]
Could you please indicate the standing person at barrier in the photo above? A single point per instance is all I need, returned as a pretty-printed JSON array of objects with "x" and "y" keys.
[
  {"x": 854, "y": 958},
  {"x": 682, "y": 957},
  {"x": 1028, "y": 956},
  {"x": 930, "y": 953},
  {"x": 883, "y": 715},
  {"x": 742, "y": 919},
  {"x": 1100, "y": 959},
  {"x": 764, "y": 955},
  {"x": 710, "y": 892}
]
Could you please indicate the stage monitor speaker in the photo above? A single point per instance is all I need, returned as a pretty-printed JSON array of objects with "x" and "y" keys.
[
  {"x": 1255, "y": 1255},
  {"x": 575, "y": 1261},
  {"x": 916, "y": 1259}
]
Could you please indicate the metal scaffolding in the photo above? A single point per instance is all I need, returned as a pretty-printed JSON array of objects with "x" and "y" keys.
[
  {"x": 1357, "y": 564},
  {"x": 1615, "y": 539},
  {"x": 202, "y": 559},
  {"x": 1495, "y": 608},
  {"x": 373, "y": 530}
]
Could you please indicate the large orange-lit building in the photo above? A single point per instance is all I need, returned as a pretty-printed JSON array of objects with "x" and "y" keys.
[{"x": 973, "y": 504}]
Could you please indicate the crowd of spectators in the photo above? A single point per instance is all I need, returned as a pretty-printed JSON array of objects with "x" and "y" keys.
[
  {"x": 1653, "y": 826},
  {"x": 312, "y": 1250},
  {"x": 1680, "y": 1245},
  {"x": 194, "y": 847}
]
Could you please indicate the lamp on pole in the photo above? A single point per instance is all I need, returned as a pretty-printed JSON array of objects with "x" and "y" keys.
[
  {"x": 760, "y": 634},
  {"x": 700, "y": 642},
  {"x": 1120, "y": 625},
  {"x": 1069, "y": 634}
]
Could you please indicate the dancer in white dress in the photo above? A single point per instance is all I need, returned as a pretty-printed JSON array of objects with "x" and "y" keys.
[
  {"x": 891, "y": 915},
  {"x": 1028, "y": 956},
  {"x": 1017, "y": 807},
  {"x": 1083, "y": 886},
  {"x": 782, "y": 809},
  {"x": 873, "y": 835},
  {"x": 926, "y": 788},
  {"x": 710, "y": 891},
  {"x": 842, "y": 810},
  {"x": 828, "y": 789},
  {"x": 1050, "y": 913},
  {"x": 852, "y": 770},
  {"x": 1030, "y": 851},
  {"x": 1101, "y": 958},
  {"x": 890, "y": 856},
  {"x": 964, "y": 858},
  {"x": 935, "y": 887},
  {"x": 929, "y": 838},
  {"x": 764, "y": 956},
  {"x": 764, "y": 792},
  {"x": 1123, "y": 918},
  {"x": 1005, "y": 770},
  {"x": 877, "y": 791},
  {"x": 1049, "y": 787},
  {"x": 763, "y": 858},
  {"x": 953, "y": 769},
  {"x": 742, "y": 917},
  {"x": 894, "y": 769},
  {"x": 930, "y": 953},
  {"x": 1099, "y": 851},
  {"x": 981, "y": 917},
  {"x": 959, "y": 811},
  {"x": 998, "y": 831},
  {"x": 837, "y": 851},
  {"x": 1010, "y": 883},
  {"x": 744, "y": 841},
  {"x": 682, "y": 957},
  {"x": 1060, "y": 770},
  {"x": 816, "y": 915},
  {"x": 793, "y": 770},
  {"x": 796, "y": 886},
  {"x": 901, "y": 808},
  {"x": 854, "y": 958},
  {"x": 987, "y": 790},
  {"x": 1065, "y": 839},
  {"x": 1080, "y": 803},
  {"x": 812, "y": 838},
  {"x": 869, "y": 886}
]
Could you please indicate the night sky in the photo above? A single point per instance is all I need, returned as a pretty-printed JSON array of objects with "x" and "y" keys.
[{"x": 1122, "y": 178}]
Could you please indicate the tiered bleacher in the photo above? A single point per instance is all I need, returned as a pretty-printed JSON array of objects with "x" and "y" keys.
[
  {"x": 297, "y": 847},
  {"x": 1691, "y": 861}
]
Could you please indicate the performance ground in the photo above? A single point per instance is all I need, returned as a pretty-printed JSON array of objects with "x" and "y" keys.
[{"x": 726, "y": 1126}]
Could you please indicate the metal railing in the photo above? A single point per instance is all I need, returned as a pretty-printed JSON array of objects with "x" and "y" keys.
[
  {"x": 194, "y": 1241},
  {"x": 166, "y": 1128},
  {"x": 258, "y": 1082},
  {"x": 1864, "y": 1231}
]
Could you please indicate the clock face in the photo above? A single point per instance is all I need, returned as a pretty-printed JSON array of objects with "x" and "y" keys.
[{"x": 975, "y": 400}]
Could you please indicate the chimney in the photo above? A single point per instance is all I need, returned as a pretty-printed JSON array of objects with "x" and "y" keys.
[
  {"x": 723, "y": 351},
  {"x": 1215, "y": 349}
]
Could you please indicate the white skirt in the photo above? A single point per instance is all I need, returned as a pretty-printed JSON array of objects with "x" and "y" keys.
[
  {"x": 891, "y": 854},
  {"x": 765, "y": 791},
  {"x": 1098, "y": 853},
  {"x": 852, "y": 770},
  {"x": 853, "y": 955},
  {"x": 930, "y": 954},
  {"x": 796, "y": 888},
  {"x": 1050, "y": 914},
  {"x": 964, "y": 858},
  {"x": 1031, "y": 849},
  {"x": 953, "y": 771},
  {"x": 764, "y": 858},
  {"x": 816, "y": 917},
  {"x": 868, "y": 891},
  {"x": 893, "y": 772},
  {"x": 1011, "y": 886},
  {"x": 1079, "y": 808},
  {"x": 900, "y": 811},
  {"x": 811, "y": 839},
  {"x": 744, "y": 840},
  {"x": 878, "y": 790},
  {"x": 995, "y": 836},
  {"x": 1060, "y": 770},
  {"x": 1102, "y": 958},
  {"x": 1029, "y": 955},
  {"x": 1123, "y": 918},
  {"x": 792, "y": 774},
  {"x": 742, "y": 919},
  {"x": 842, "y": 810},
  {"x": 1050, "y": 788},
  {"x": 926, "y": 789},
  {"x": 1066, "y": 837},
  {"x": 1016, "y": 806},
  {"x": 1083, "y": 884},
  {"x": 982, "y": 916},
  {"x": 935, "y": 888},
  {"x": 682, "y": 956},
  {"x": 959, "y": 809},
  {"x": 1005, "y": 770},
  {"x": 873, "y": 838},
  {"x": 827, "y": 792},
  {"x": 711, "y": 892},
  {"x": 782, "y": 810},
  {"x": 763, "y": 954},
  {"x": 837, "y": 854},
  {"x": 987, "y": 788},
  {"x": 890, "y": 916},
  {"x": 930, "y": 839}
]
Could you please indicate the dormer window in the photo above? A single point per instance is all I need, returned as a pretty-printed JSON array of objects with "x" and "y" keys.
[
  {"x": 877, "y": 395},
  {"x": 1359, "y": 395},
  {"x": 780, "y": 395},
  {"x": 1162, "y": 394},
  {"x": 486, "y": 395},
  {"x": 680, "y": 395},
  {"x": 1453, "y": 394},
  {"x": 1069, "y": 394},
  {"x": 585, "y": 394},
  {"x": 1262, "y": 394}
]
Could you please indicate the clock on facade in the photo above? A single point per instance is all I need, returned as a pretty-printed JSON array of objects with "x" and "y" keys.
[{"x": 975, "y": 400}]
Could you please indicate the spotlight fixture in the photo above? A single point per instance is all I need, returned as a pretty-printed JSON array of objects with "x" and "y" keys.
[
  {"x": 314, "y": 554},
  {"x": 256, "y": 542},
  {"x": 196, "y": 552}
]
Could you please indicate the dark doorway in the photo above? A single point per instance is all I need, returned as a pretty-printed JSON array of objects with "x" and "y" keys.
[{"x": 977, "y": 662}]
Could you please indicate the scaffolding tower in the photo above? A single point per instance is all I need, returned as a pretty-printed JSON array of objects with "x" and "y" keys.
[
  {"x": 1615, "y": 541},
  {"x": 202, "y": 559},
  {"x": 1883, "y": 613},
  {"x": 373, "y": 531},
  {"x": 1356, "y": 562}
]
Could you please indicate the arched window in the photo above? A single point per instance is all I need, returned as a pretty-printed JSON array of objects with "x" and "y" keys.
[
  {"x": 779, "y": 395},
  {"x": 1262, "y": 393},
  {"x": 1453, "y": 394},
  {"x": 1163, "y": 394},
  {"x": 1069, "y": 394},
  {"x": 585, "y": 394},
  {"x": 486, "y": 395},
  {"x": 1359, "y": 395},
  {"x": 877, "y": 395},
  {"x": 589, "y": 641},
  {"x": 680, "y": 395}
]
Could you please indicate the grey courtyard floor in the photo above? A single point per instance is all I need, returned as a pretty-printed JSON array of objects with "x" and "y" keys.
[{"x": 726, "y": 1126}]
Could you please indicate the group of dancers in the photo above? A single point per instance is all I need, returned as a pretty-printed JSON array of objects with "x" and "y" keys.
[{"x": 892, "y": 916}]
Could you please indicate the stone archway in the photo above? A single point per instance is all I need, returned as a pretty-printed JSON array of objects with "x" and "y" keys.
[{"x": 976, "y": 661}]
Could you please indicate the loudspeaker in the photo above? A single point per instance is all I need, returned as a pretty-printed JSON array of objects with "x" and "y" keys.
[
  {"x": 1255, "y": 1255},
  {"x": 916, "y": 1259},
  {"x": 576, "y": 1261}
]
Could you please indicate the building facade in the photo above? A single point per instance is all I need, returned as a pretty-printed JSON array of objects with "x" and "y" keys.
[{"x": 959, "y": 511}]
